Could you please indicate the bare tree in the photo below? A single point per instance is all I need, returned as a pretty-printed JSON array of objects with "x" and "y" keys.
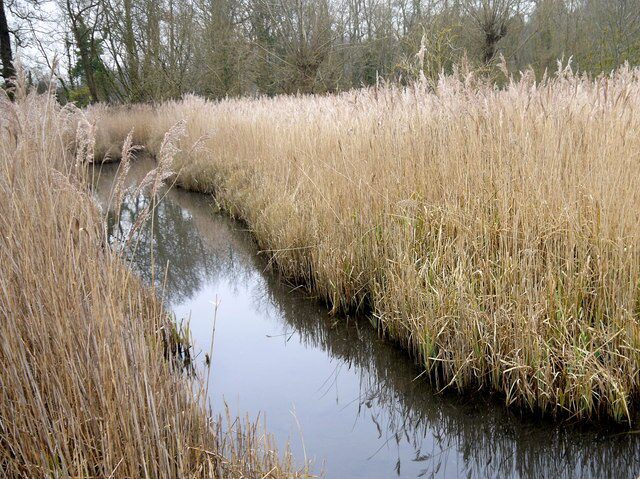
[
  {"x": 84, "y": 17},
  {"x": 148, "y": 50},
  {"x": 8, "y": 70},
  {"x": 492, "y": 17}
]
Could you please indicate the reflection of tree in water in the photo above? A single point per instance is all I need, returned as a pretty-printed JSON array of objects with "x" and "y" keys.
[
  {"x": 202, "y": 248},
  {"x": 174, "y": 240}
]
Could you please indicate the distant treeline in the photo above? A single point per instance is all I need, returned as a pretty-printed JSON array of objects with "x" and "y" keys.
[{"x": 145, "y": 50}]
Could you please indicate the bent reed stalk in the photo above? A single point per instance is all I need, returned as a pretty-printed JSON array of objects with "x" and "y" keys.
[
  {"x": 85, "y": 389},
  {"x": 494, "y": 232}
]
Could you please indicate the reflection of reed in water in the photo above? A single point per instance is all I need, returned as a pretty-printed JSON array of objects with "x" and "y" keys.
[
  {"x": 491, "y": 441},
  {"x": 487, "y": 440}
]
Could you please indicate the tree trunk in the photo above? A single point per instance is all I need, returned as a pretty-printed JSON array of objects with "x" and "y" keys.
[
  {"x": 132, "y": 64},
  {"x": 8, "y": 70},
  {"x": 80, "y": 34},
  {"x": 83, "y": 40},
  {"x": 493, "y": 33}
]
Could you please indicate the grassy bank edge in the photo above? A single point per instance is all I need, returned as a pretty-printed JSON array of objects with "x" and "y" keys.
[{"x": 86, "y": 387}]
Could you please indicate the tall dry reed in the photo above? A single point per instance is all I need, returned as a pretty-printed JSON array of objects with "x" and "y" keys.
[
  {"x": 494, "y": 232},
  {"x": 85, "y": 389}
]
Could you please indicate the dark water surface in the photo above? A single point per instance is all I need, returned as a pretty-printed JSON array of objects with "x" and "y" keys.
[{"x": 330, "y": 386}]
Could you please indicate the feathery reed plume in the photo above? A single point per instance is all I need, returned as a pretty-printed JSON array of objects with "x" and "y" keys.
[
  {"x": 118, "y": 194},
  {"x": 85, "y": 141},
  {"x": 155, "y": 179}
]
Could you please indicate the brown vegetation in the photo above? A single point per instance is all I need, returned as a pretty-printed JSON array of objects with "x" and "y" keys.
[
  {"x": 493, "y": 232},
  {"x": 85, "y": 390}
]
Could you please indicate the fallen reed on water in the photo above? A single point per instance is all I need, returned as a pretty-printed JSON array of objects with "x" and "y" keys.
[
  {"x": 86, "y": 389},
  {"x": 494, "y": 232}
]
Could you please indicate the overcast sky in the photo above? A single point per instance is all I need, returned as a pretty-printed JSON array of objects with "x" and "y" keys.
[{"x": 39, "y": 30}]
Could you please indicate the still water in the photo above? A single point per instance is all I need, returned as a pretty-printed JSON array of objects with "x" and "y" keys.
[{"x": 329, "y": 386}]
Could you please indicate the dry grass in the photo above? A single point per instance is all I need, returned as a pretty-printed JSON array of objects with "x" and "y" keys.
[
  {"x": 85, "y": 390},
  {"x": 495, "y": 233}
]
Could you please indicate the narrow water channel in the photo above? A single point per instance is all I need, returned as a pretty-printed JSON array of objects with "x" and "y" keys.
[{"x": 329, "y": 386}]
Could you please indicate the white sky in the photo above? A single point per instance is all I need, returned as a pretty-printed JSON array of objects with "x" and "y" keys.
[{"x": 40, "y": 30}]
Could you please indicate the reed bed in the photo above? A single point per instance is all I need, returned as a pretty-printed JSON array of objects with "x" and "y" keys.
[
  {"x": 86, "y": 389},
  {"x": 493, "y": 232}
]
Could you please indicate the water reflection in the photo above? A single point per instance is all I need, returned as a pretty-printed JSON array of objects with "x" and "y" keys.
[{"x": 354, "y": 396}]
